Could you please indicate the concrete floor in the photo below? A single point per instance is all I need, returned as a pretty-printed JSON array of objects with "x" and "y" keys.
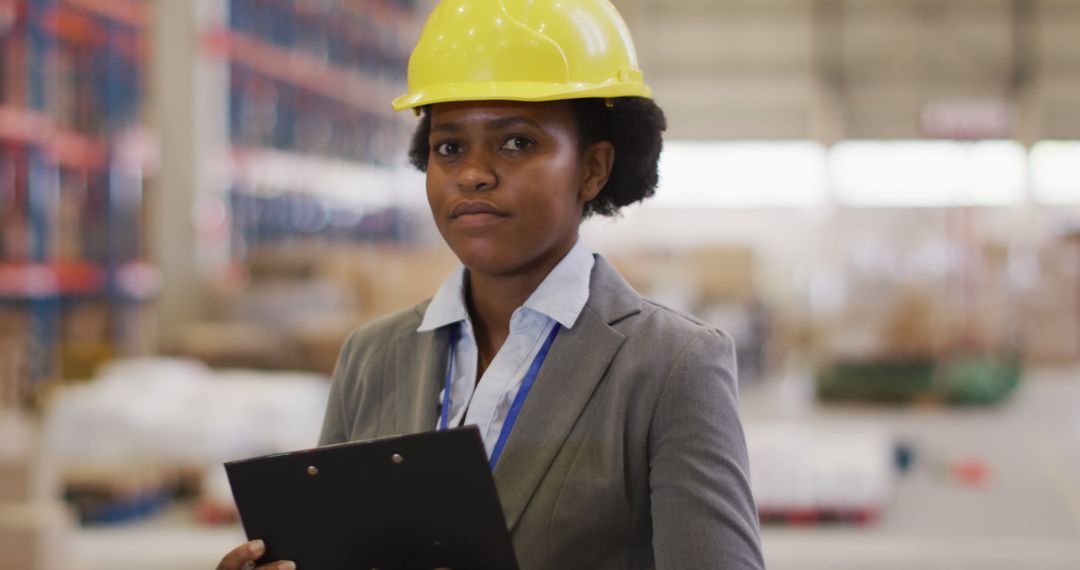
[{"x": 1027, "y": 516}]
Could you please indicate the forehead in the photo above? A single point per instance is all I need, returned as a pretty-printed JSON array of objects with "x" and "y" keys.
[{"x": 498, "y": 114}]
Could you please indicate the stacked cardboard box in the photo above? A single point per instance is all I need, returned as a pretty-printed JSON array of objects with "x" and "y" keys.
[
  {"x": 1048, "y": 321},
  {"x": 711, "y": 274},
  {"x": 296, "y": 310},
  {"x": 34, "y": 536},
  {"x": 14, "y": 361},
  {"x": 35, "y": 527}
]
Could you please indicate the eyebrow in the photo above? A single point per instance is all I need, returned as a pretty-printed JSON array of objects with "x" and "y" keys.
[{"x": 492, "y": 125}]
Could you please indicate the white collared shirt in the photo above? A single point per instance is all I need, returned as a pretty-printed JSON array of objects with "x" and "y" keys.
[{"x": 559, "y": 299}]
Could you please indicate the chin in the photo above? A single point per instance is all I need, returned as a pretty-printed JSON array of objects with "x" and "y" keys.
[
  {"x": 489, "y": 258},
  {"x": 500, "y": 255},
  {"x": 489, "y": 263}
]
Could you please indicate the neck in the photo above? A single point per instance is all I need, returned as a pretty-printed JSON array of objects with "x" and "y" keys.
[{"x": 492, "y": 300}]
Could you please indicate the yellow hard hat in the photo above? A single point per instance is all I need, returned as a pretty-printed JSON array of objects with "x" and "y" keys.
[{"x": 522, "y": 50}]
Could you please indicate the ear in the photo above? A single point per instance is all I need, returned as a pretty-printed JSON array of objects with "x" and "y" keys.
[{"x": 597, "y": 163}]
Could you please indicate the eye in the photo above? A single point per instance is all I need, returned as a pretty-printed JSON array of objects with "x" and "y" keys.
[
  {"x": 517, "y": 143},
  {"x": 446, "y": 148}
]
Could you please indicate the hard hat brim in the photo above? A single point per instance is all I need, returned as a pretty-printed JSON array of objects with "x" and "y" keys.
[{"x": 517, "y": 91}]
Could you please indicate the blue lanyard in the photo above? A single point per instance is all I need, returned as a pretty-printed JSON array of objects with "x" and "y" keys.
[{"x": 519, "y": 399}]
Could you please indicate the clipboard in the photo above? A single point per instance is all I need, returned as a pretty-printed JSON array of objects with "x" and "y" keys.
[{"x": 410, "y": 502}]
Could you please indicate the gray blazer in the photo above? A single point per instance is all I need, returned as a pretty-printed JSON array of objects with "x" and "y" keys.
[{"x": 628, "y": 453}]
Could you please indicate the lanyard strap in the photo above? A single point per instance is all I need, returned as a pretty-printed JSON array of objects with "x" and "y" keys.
[
  {"x": 519, "y": 399},
  {"x": 444, "y": 413}
]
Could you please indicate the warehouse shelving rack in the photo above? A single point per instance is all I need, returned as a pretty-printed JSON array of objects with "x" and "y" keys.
[
  {"x": 312, "y": 134},
  {"x": 72, "y": 163}
]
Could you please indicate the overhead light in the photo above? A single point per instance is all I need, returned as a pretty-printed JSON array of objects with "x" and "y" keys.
[
  {"x": 759, "y": 174},
  {"x": 1055, "y": 172},
  {"x": 927, "y": 173}
]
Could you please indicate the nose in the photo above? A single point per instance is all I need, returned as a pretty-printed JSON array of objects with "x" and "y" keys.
[{"x": 477, "y": 174}]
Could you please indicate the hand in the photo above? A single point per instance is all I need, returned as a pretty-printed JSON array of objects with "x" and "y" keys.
[{"x": 243, "y": 557}]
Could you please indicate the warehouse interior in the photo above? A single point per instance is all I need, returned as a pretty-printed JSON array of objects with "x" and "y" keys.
[{"x": 878, "y": 199}]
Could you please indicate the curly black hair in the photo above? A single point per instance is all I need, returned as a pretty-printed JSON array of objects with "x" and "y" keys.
[{"x": 634, "y": 125}]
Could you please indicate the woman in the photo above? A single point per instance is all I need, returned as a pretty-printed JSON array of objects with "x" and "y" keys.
[{"x": 627, "y": 451}]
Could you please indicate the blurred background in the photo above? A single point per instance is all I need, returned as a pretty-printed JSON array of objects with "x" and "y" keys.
[{"x": 879, "y": 199}]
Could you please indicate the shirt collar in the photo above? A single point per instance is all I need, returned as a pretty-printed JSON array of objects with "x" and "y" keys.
[
  {"x": 561, "y": 295},
  {"x": 448, "y": 304}
]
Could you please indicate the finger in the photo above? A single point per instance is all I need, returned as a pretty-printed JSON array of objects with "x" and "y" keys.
[
  {"x": 248, "y": 552},
  {"x": 280, "y": 565}
]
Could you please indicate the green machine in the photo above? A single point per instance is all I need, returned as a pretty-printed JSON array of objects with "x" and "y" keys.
[{"x": 961, "y": 379}]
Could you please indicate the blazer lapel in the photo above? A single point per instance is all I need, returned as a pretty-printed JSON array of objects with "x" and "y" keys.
[
  {"x": 421, "y": 365},
  {"x": 564, "y": 386}
]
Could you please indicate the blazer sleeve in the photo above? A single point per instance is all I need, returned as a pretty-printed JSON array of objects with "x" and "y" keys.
[
  {"x": 703, "y": 514},
  {"x": 334, "y": 427}
]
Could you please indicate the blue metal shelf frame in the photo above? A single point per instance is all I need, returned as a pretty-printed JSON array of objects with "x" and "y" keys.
[
  {"x": 42, "y": 194},
  {"x": 113, "y": 193}
]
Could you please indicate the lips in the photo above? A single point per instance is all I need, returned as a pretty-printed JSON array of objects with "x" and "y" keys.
[{"x": 476, "y": 209}]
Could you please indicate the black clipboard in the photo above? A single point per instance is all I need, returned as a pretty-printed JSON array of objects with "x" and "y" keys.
[{"x": 419, "y": 501}]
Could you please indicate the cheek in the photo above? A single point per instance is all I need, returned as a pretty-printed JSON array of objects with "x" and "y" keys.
[
  {"x": 559, "y": 184},
  {"x": 429, "y": 190},
  {"x": 433, "y": 186}
]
